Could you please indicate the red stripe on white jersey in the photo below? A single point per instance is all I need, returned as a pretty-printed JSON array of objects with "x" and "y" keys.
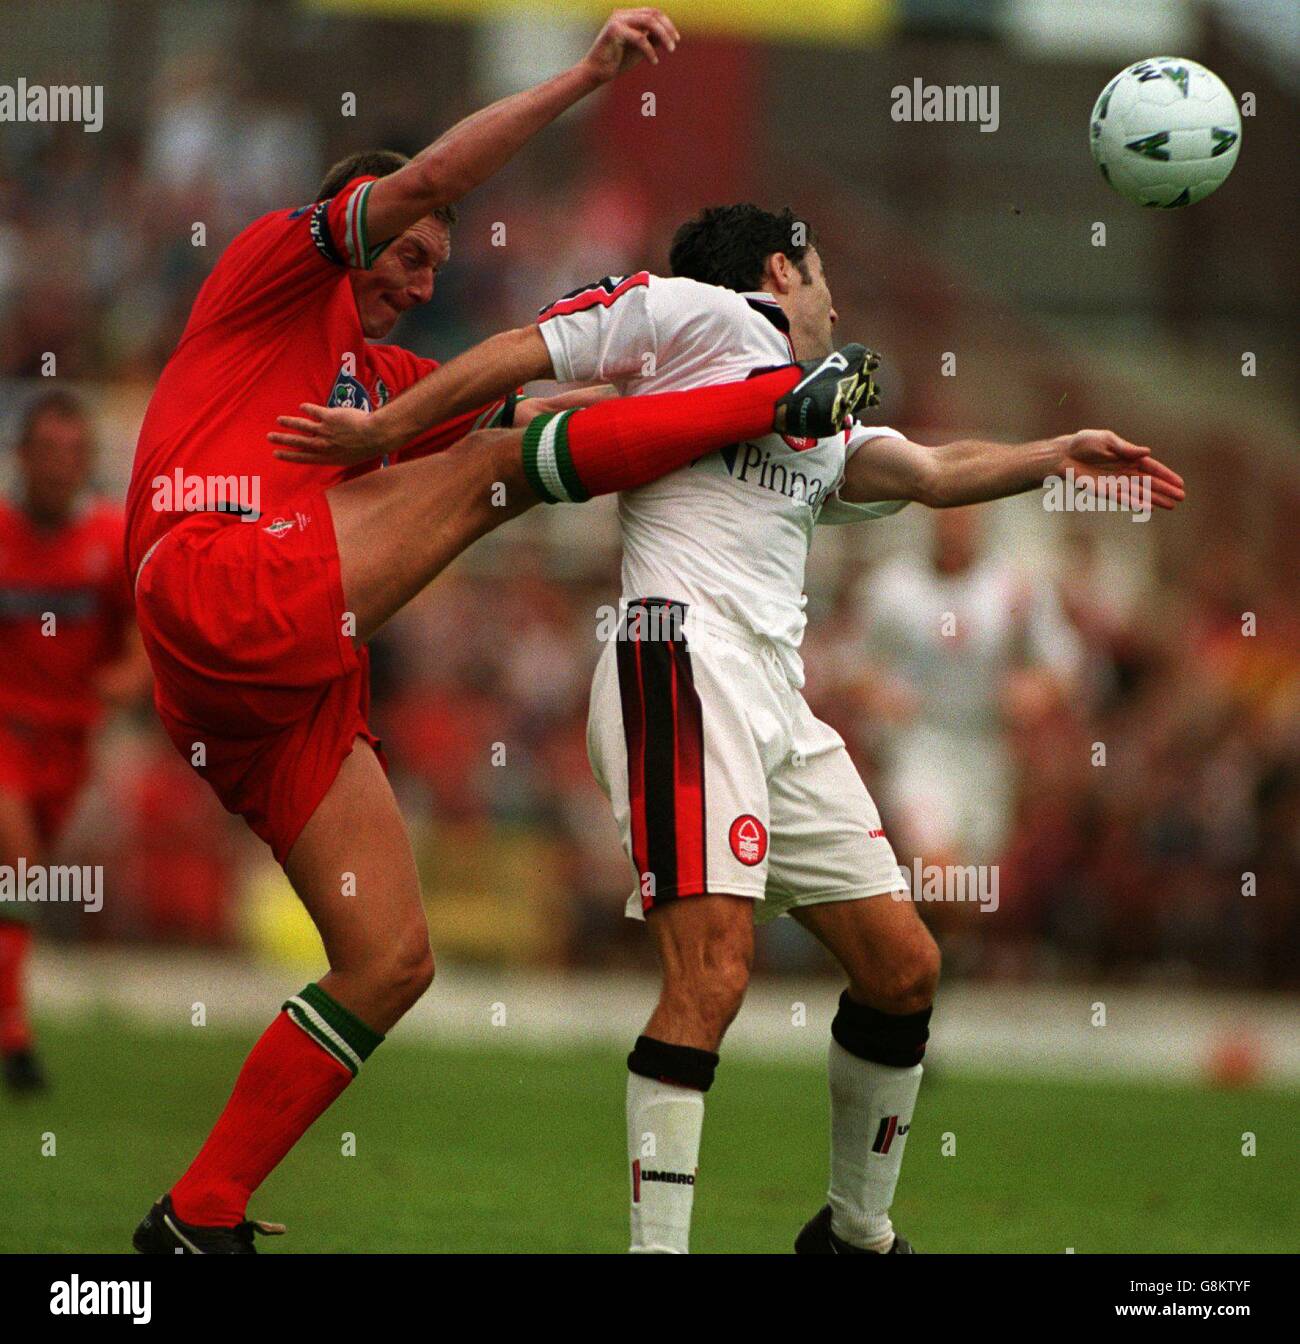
[{"x": 592, "y": 296}]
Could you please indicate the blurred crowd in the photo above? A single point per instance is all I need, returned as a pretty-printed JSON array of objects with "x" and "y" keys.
[
  {"x": 1173, "y": 853},
  {"x": 99, "y": 259},
  {"x": 1136, "y": 780},
  {"x": 104, "y": 242},
  {"x": 1176, "y": 853}
]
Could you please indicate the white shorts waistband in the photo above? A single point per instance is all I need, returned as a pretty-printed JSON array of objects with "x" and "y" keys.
[{"x": 702, "y": 619}]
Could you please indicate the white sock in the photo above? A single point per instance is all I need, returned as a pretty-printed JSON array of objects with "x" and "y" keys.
[
  {"x": 871, "y": 1108},
  {"x": 663, "y": 1143}
]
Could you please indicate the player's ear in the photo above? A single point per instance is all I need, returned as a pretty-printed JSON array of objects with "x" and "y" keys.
[{"x": 777, "y": 269}]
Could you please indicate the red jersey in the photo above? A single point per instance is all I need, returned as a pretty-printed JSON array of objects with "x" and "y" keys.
[
  {"x": 274, "y": 325},
  {"x": 65, "y": 607}
]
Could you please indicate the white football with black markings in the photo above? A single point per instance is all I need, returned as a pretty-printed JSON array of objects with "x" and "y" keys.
[{"x": 1165, "y": 132}]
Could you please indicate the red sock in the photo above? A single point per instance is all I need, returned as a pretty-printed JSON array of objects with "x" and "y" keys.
[
  {"x": 15, "y": 944},
  {"x": 286, "y": 1083},
  {"x": 626, "y": 442}
]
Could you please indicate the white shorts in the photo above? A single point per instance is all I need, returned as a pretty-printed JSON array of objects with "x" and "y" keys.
[{"x": 721, "y": 778}]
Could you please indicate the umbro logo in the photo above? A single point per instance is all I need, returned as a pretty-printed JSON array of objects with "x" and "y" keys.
[
  {"x": 670, "y": 1177},
  {"x": 888, "y": 1131},
  {"x": 663, "y": 1177}
]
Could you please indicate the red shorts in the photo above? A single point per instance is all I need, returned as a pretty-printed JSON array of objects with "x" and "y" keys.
[
  {"x": 256, "y": 680},
  {"x": 46, "y": 768}
]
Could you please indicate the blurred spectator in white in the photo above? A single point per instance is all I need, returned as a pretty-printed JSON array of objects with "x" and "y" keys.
[{"x": 959, "y": 640}]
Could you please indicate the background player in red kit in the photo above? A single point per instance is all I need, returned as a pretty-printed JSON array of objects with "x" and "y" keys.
[
  {"x": 257, "y": 582},
  {"x": 68, "y": 649}
]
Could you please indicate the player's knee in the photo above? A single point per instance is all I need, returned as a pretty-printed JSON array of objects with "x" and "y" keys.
[
  {"x": 728, "y": 990},
  {"x": 715, "y": 987},
  {"x": 492, "y": 460},
  {"x": 405, "y": 971},
  {"x": 415, "y": 971},
  {"x": 482, "y": 449},
  {"x": 911, "y": 981},
  {"x": 475, "y": 445}
]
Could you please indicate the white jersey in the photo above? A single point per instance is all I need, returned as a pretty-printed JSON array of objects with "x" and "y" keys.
[{"x": 730, "y": 533}]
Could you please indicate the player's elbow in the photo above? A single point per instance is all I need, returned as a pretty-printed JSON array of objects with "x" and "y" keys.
[{"x": 439, "y": 183}]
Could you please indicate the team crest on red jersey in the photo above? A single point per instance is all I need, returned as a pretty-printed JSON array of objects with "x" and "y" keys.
[
  {"x": 351, "y": 393},
  {"x": 748, "y": 837}
]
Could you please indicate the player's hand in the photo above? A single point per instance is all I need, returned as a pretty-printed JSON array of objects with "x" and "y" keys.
[
  {"x": 1098, "y": 452},
  {"x": 629, "y": 36},
  {"x": 330, "y": 436},
  {"x": 528, "y": 409}
]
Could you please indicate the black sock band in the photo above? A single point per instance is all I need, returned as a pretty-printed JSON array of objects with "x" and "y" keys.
[
  {"x": 681, "y": 1064},
  {"x": 881, "y": 1038}
]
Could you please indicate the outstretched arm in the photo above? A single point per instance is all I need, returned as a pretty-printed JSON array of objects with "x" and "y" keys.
[
  {"x": 338, "y": 436},
  {"x": 970, "y": 471},
  {"x": 597, "y": 332},
  {"x": 477, "y": 147}
]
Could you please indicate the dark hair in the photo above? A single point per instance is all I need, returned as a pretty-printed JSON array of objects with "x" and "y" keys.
[
  {"x": 729, "y": 245},
  {"x": 372, "y": 163},
  {"x": 55, "y": 402}
]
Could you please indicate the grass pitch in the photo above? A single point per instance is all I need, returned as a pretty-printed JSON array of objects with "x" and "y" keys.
[{"x": 461, "y": 1148}]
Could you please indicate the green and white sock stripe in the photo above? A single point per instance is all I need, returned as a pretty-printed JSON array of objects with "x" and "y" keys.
[
  {"x": 548, "y": 462},
  {"x": 332, "y": 1027}
]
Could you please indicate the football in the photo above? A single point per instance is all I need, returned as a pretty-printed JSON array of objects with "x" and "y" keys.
[{"x": 1165, "y": 132}]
